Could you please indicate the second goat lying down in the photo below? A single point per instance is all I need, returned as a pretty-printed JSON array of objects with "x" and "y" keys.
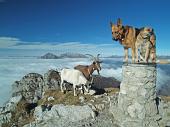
[{"x": 74, "y": 77}]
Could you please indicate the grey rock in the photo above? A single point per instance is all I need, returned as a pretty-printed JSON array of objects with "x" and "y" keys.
[
  {"x": 82, "y": 99},
  {"x": 29, "y": 87},
  {"x": 91, "y": 92},
  {"x": 164, "y": 111},
  {"x": 12, "y": 103},
  {"x": 104, "y": 119},
  {"x": 60, "y": 113},
  {"x": 51, "y": 80},
  {"x": 100, "y": 107},
  {"x": 10, "y": 106},
  {"x": 5, "y": 118}
]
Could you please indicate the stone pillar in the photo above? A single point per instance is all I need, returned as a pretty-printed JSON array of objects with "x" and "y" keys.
[{"x": 136, "y": 102}]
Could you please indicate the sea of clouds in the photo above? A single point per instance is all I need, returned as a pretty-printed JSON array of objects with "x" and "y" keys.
[{"x": 13, "y": 69}]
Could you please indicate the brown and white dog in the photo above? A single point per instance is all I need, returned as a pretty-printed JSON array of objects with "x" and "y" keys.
[
  {"x": 127, "y": 36},
  {"x": 145, "y": 45}
]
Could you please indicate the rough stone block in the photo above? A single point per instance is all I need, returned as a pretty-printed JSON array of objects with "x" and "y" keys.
[{"x": 136, "y": 101}]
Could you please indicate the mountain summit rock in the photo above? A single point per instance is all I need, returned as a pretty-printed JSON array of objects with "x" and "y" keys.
[{"x": 49, "y": 56}]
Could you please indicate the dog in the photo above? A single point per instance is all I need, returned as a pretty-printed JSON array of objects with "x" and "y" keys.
[
  {"x": 145, "y": 45},
  {"x": 127, "y": 36}
]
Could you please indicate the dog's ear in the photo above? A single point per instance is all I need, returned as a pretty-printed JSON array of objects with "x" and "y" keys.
[
  {"x": 149, "y": 29},
  {"x": 119, "y": 22}
]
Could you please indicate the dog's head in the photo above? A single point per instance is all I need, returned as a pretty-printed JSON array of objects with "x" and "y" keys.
[
  {"x": 116, "y": 29},
  {"x": 147, "y": 32}
]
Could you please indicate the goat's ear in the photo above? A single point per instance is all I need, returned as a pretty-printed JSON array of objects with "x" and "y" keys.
[
  {"x": 100, "y": 61},
  {"x": 119, "y": 22}
]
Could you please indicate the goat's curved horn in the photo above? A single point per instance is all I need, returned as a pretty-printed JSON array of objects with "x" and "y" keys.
[
  {"x": 98, "y": 56},
  {"x": 91, "y": 56}
]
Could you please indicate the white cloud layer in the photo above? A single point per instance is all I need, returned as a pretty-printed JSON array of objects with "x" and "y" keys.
[
  {"x": 8, "y": 42},
  {"x": 93, "y": 48},
  {"x": 14, "y": 69}
]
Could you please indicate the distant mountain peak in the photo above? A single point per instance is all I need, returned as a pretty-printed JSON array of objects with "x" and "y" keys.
[
  {"x": 73, "y": 55},
  {"x": 49, "y": 56},
  {"x": 64, "y": 55}
]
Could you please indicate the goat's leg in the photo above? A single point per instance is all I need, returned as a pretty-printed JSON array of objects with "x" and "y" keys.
[
  {"x": 126, "y": 54},
  {"x": 86, "y": 88},
  {"x": 74, "y": 89},
  {"x": 61, "y": 85},
  {"x": 82, "y": 89},
  {"x": 64, "y": 86},
  {"x": 92, "y": 80}
]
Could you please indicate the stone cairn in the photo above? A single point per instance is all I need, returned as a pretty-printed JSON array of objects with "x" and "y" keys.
[{"x": 136, "y": 102}]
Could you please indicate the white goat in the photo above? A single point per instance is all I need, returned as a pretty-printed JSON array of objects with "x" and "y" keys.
[{"x": 74, "y": 77}]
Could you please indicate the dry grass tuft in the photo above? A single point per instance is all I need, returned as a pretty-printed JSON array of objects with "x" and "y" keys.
[
  {"x": 165, "y": 98},
  {"x": 61, "y": 98},
  {"x": 111, "y": 91},
  {"x": 19, "y": 116}
]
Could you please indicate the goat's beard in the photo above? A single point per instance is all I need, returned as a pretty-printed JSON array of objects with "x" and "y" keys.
[{"x": 98, "y": 72}]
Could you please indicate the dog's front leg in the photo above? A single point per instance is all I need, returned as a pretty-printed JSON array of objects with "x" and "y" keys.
[
  {"x": 137, "y": 55},
  {"x": 153, "y": 54},
  {"x": 133, "y": 54},
  {"x": 126, "y": 54},
  {"x": 147, "y": 52}
]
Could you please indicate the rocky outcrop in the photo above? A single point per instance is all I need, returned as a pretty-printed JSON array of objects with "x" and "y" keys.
[
  {"x": 29, "y": 87},
  {"x": 51, "y": 80},
  {"x": 164, "y": 111},
  {"x": 5, "y": 118},
  {"x": 32, "y": 86},
  {"x": 29, "y": 90},
  {"x": 63, "y": 112},
  {"x": 101, "y": 82},
  {"x": 9, "y": 107},
  {"x": 136, "y": 102},
  {"x": 89, "y": 114}
]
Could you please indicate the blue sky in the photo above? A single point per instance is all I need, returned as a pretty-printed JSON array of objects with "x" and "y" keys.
[{"x": 39, "y": 26}]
